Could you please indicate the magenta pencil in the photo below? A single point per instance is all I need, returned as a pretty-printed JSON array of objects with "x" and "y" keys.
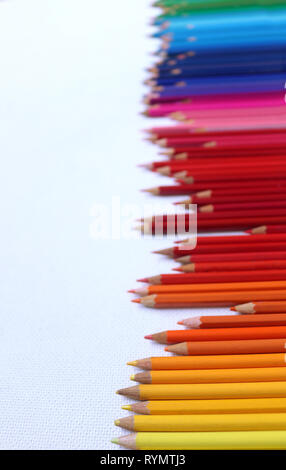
[{"x": 236, "y": 109}]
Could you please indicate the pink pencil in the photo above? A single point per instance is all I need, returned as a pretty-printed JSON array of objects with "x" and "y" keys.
[
  {"x": 236, "y": 123},
  {"x": 165, "y": 109},
  {"x": 233, "y": 112}
]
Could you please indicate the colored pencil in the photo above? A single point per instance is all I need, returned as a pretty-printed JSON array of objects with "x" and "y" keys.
[
  {"x": 200, "y": 278},
  {"x": 261, "y": 307},
  {"x": 271, "y": 229},
  {"x": 212, "y": 287},
  {"x": 261, "y": 374},
  {"x": 217, "y": 188},
  {"x": 218, "y": 422},
  {"x": 236, "y": 440},
  {"x": 218, "y": 334},
  {"x": 210, "y": 362},
  {"x": 183, "y": 130},
  {"x": 242, "y": 198},
  {"x": 205, "y": 391},
  {"x": 232, "y": 266},
  {"x": 228, "y": 247},
  {"x": 229, "y": 257},
  {"x": 199, "y": 407},
  {"x": 251, "y": 346},
  {"x": 230, "y": 321},
  {"x": 217, "y": 208}
]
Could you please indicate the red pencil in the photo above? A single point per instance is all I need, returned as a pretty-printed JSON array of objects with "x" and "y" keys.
[
  {"x": 230, "y": 276},
  {"x": 210, "y": 189},
  {"x": 242, "y": 198},
  {"x": 185, "y": 153},
  {"x": 244, "y": 239},
  {"x": 211, "y": 208},
  {"x": 186, "y": 130},
  {"x": 183, "y": 250},
  {"x": 199, "y": 267},
  {"x": 186, "y": 167},
  {"x": 235, "y": 174},
  {"x": 234, "y": 141},
  {"x": 186, "y": 217},
  {"x": 238, "y": 256},
  {"x": 216, "y": 162}
]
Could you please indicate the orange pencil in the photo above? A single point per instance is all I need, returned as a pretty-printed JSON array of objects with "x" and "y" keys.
[
  {"x": 208, "y": 298},
  {"x": 218, "y": 334},
  {"x": 212, "y": 287},
  {"x": 260, "y": 374},
  {"x": 210, "y": 362},
  {"x": 230, "y": 321},
  {"x": 232, "y": 266},
  {"x": 251, "y": 346},
  {"x": 261, "y": 307}
]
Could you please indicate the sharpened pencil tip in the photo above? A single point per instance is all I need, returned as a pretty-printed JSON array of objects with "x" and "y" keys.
[
  {"x": 115, "y": 440},
  {"x": 177, "y": 269},
  {"x": 136, "y": 301},
  {"x": 166, "y": 349},
  {"x": 117, "y": 422},
  {"x": 132, "y": 377},
  {"x": 180, "y": 323},
  {"x": 232, "y": 309},
  {"x": 132, "y": 363},
  {"x": 126, "y": 407},
  {"x": 131, "y": 291},
  {"x": 144, "y": 279},
  {"x": 148, "y": 337}
]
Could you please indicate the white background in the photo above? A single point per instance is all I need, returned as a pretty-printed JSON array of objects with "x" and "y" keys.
[{"x": 71, "y": 76}]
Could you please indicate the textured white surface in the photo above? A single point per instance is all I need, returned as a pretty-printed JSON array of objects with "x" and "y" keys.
[{"x": 70, "y": 91}]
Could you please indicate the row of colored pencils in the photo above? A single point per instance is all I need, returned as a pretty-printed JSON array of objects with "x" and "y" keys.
[{"x": 220, "y": 74}]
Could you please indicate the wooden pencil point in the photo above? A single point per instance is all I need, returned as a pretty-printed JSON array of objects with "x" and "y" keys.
[
  {"x": 154, "y": 191},
  {"x": 132, "y": 363},
  {"x": 117, "y": 422},
  {"x": 115, "y": 440},
  {"x": 257, "y": 230},
  {"x": 131, "y": 392},
  {"x": 132, "y": 377},
  {"x": 136, "y": 301},
  {"x": 245, "y": 308}
]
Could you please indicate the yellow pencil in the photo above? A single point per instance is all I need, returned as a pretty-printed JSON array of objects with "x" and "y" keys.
[
  {"x": 236, "y": 440},
  {"x": 214, "y": 422},
  {"x": 185, "y": 407}
]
